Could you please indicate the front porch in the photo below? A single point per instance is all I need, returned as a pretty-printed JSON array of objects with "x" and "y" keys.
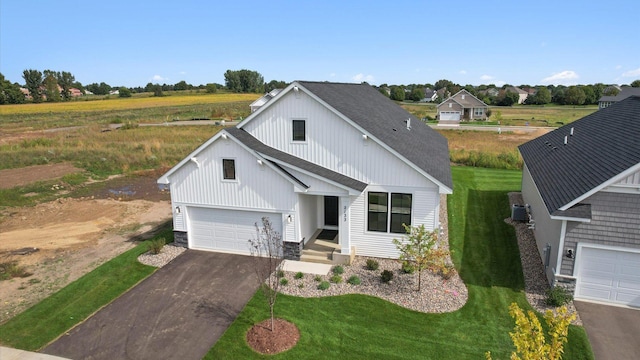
[{"x": 322, "y": 248}]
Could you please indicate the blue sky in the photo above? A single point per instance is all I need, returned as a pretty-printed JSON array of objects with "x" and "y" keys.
[{"x": 131, "y": 43}]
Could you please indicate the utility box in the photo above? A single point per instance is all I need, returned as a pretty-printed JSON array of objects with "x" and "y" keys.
[{"x": 518, "y": 213}]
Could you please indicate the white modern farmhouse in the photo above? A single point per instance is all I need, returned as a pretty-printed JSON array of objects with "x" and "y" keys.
[
  {"x": 332, "y": 161},
  {"x": 582, "y": 184}
]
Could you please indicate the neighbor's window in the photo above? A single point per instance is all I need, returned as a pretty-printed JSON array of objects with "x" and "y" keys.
[
  {"x": 478, "y": 111},
  {"x": 400, "y": 212},
  {"x": 299, "y": 130},
  {"x": 228, "y": 169},
  {"x": 377, "y": 217}
]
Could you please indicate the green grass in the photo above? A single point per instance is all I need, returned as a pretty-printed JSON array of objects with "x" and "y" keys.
[
  {"x": 50, "y": 318},
  {"x": 485, "y": 253}
]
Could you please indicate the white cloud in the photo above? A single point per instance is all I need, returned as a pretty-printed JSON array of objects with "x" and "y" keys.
[
  {"x": 362, "y": 77},
  {"x": 183, "y": 72},
  {"x": 566, "y": 77},
  {"x": 463, "y": 72},
  {"x": 632, "y": 73},
  {"x": 158, "y": 78},
  {"x": 499, "y": 83},
  {"x": 486, "y": 77}
]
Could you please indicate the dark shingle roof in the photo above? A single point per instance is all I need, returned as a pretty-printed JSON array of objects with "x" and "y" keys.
[
  {"x": 623, "y": 94},
  {"x": 386, "y": 121},
  {"x": 603, "y": 145},
  {"x": 258, "y": 146}
]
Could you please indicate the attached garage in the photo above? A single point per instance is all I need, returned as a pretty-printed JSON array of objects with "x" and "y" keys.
[
  {"x": 226, "y": 230},
  {"x": 450, "y": 115},
  {"x": 610, "y": 275}
]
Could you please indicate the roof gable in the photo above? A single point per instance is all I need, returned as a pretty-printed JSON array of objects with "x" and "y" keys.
[
  {"x": 388, "y": 123},
  {"x": 466, "y": 99},
  {"x": 601, "y": 149}
]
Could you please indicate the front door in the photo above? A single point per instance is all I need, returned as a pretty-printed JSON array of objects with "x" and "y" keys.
[{"x": 331, "y": 211}]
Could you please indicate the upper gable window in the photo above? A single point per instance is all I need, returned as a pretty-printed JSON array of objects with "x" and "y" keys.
[
  {"x": 299, "y": 130},
  {"x": 228, "y": 169}
]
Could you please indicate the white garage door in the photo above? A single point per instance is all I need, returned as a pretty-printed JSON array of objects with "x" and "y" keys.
[
  {"x": 608, "y": 275},
  {"x": 226, "y": 230},
  {"x": 449, "y": 115}
]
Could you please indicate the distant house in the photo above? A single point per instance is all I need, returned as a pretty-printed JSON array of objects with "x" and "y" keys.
[
  {"x": 461, "y": 106},
  {"x": 263, "y": 99},
  {"x": 331, "y": 163},
  {"x": 522, "y": 95},
  {"x": 624, "y": 93},
  {"x": 429, "y": 95},
  {"x": 75, "y": 92},
  {"x": 582, "y": 187}
]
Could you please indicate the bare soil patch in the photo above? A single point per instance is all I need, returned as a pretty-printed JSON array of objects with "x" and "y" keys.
[
  {"x": 73, "y": 236},
  {"x": 23, "y": 176},
  {"x": 284, "y": 336}
]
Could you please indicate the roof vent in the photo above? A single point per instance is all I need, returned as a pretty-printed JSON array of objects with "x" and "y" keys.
[
  {"x": 462, "y": 96},
  {"x": 408, "y": 121},
  {"x": 565, "y": 140},
  {"x": 571, "y": 131}
]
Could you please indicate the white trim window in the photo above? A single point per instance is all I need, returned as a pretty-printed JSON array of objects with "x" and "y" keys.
[
  {"x": 228, "y": 169},
  {"x": 384, "y": 218},
  {"x": 478, "y": 112},
  {"x": 299, "y": 130}
]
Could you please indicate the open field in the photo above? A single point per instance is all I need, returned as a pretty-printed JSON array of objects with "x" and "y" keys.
[
  {"x": 17, "y": 119},
  {"x": 547, "y": 115}
]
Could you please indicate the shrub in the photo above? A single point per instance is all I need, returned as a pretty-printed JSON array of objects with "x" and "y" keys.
[
  {"x": 156, "y": 245},
  {"x": 317, "y": 278},
  {"x": 408, "y": 267},
  {"x": 284, "y": 281},
  {"x": 386, "y": 276},
  {"x": 9, "y": 270},
  {"x": 336, "y": 279},
  {"x": 301, "y": 285},
  {"x": 280, "y": 273},
  {"x": 372, "y": 264},
  {"x": 447, "y": 271},
  {"x": 299, "y": 275},
  {"x": 324, "y": 285},
  {"x": 354, "y": 280},
  {"x": 558, "y": 296},
  {"x": 337, "y": 270}
]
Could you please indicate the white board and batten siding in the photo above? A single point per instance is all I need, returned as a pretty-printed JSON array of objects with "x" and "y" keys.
[
  {"x": 424, "y": 210},
  {"x": 608, "y": 274},
  {"x": 256, "y": 186},
  {"x": 330, "y": 142},
  {"x": 227, "y": 230}
]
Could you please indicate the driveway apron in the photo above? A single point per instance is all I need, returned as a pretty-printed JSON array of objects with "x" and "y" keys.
[
  {"x": 179, "y": 312},
  {"x": 613, "y": 331}
]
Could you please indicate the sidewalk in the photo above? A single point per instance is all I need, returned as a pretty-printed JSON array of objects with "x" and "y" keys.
[{"x": 15, "y": 354}]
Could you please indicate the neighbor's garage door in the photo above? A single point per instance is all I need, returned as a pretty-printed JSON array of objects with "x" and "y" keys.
[
  {"x": 449, "y": 115},
  {"x": 606, "y": 275},
  {"x": 226, "y": 230}
]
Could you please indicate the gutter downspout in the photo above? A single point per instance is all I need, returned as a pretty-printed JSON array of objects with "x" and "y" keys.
[{"x": 563, "y": 232}]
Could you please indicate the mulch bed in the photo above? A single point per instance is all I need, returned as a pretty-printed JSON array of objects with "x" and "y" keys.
[{"x": 261, "y": 339}]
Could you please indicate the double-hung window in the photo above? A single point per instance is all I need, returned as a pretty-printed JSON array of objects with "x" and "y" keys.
[{"x": 384, "y": 218}]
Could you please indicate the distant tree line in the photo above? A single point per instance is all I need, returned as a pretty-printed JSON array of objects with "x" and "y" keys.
[{"x": 50, "y": 85}]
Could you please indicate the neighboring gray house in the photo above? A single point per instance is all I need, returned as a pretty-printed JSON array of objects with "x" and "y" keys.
[
  {"x": 429, "y": 95},
  {"x": 339, "y": 163},
  {"x": 582, "y": 185},
  {"x": 522, "y": 95},
  {"x": 461, "y": 106},
  {"x": 624, "y": 93}
]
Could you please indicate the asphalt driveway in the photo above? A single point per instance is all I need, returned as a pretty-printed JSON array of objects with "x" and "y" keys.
[
  {"x": 179, "y": 312},
  {"x": 613, "y": 331}
]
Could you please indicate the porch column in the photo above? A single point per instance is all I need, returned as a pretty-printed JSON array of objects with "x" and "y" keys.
[{"x": 344, "y": 225}]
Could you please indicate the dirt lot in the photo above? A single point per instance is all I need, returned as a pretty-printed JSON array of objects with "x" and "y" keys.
[{"x": 73, "y": 236}]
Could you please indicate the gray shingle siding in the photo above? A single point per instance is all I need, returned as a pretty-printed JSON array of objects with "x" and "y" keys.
[{"x": 615, "y": 222}]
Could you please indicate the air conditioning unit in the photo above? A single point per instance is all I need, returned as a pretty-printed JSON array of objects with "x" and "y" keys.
[{"x": 518, "y": 213}]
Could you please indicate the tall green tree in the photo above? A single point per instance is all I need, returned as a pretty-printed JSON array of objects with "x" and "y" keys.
[
  {"x": 211, "y": 88},
  {"x": 99, "y": 89},
  {"x": 182, "y": 85},
  {"x": 397, "y": 93},
  {"x": 66, "y": 81},
  {"x": 541, "y": 97},
  {"x": 244, "y": 81},
  {"x": 10, "y": 93},
  {"x": 635, "y": 83},
  {"x": 416, "y": 94},
  {"x": 33, "y": 82},
  {"x": 420, "y": 248},
  {"x": 51, "y": 87},
  {"x": 124, "y": 92},
  {"x": 574, "y": 96}
]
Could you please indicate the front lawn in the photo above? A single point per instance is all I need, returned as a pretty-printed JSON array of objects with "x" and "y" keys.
[{"x": 485, "y": 252}]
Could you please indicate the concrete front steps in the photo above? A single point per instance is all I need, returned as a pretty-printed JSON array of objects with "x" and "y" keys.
[{"x": 319, "y": 251}]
